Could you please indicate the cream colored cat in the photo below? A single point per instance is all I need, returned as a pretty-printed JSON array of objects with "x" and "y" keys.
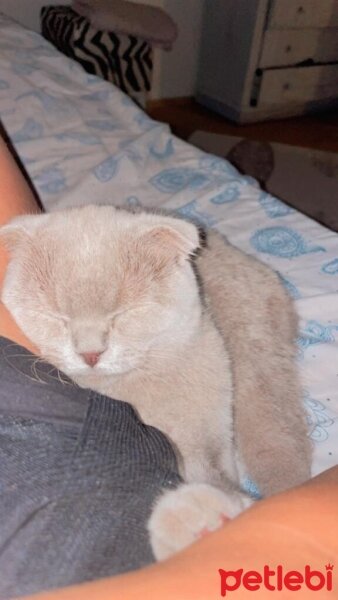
[{"x": 112, "y": 299}]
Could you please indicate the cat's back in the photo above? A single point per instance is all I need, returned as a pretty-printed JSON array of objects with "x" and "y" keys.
[{"x": 242, "y": 293}]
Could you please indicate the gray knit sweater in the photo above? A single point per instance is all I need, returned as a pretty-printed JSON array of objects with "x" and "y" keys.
[{"x": 78, "y": 476}]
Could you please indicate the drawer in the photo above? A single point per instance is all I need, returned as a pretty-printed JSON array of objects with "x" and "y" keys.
[
  {"x": 282, "y": 47},
  {"x": 300, "y": 84},
  {"x": 293, "y": 14}
]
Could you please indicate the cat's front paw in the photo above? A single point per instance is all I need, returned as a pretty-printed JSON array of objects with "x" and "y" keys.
[{"x": 182, "y": 516}]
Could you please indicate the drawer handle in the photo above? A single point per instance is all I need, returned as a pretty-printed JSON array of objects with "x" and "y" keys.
[
  {"x": 288, "y": 48},
  {"x": 300, "y": 10}
]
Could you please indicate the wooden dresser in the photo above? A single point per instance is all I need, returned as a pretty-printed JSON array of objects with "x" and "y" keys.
[{"x": 264, "y": 59}]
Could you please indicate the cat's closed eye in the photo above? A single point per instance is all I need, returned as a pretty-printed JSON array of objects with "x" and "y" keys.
[
  {"x": 133, "y": 312},
  {"x": 63, "y": 319}
]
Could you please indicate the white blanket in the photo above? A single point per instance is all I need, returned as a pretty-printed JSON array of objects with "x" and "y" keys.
[{"x": 83, "y": 141}]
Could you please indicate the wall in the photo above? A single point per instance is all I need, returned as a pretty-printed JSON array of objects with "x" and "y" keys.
[
  {"x": 179, "y": 67},
  {"x": 174, "y": 72},
  {"x": 27, "y": 11}
]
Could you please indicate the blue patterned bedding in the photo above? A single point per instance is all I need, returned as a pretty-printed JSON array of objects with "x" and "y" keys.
[{"x": 82, "y": 141}]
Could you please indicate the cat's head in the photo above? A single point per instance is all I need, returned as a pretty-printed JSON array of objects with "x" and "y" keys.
[{"x": 98, "y": 289}]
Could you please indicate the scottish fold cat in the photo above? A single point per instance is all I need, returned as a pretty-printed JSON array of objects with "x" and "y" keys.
[{"x": 200, "y": 341}]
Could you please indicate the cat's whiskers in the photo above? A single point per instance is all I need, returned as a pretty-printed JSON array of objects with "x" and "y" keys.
[
  {"x": 34, "y": 371},
  {"x": 33, "y": 360},
  {"x": 59, "y": 377}
]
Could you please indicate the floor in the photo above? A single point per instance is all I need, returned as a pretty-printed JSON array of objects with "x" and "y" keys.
[{"x": 186, "y": 116}]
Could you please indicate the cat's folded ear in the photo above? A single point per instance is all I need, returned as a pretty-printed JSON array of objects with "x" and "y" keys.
[
  {"x": 20, "y": 229},
  {"x": 179, "y": 239}
]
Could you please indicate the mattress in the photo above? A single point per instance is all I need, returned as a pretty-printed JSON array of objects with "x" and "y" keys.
[{"x": 83, "y": 141}]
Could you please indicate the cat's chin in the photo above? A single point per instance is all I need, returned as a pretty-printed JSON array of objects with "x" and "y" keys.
[{"x": 94, "y": 374}]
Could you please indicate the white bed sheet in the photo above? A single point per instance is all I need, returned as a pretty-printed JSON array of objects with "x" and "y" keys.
[{"x": 83, "y": 141}]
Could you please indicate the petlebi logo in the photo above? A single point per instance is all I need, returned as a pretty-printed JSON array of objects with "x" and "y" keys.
[{"x": 277, "y": 579}]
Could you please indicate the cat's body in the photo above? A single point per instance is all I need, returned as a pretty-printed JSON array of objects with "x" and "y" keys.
[{"x": 111, "y": 298}]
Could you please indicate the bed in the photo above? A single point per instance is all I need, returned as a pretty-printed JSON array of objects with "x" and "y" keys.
[{"x": 82, "y": 140}]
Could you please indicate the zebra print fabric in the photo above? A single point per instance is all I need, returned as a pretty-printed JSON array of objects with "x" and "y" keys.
[{"x": 123, "y": 60}]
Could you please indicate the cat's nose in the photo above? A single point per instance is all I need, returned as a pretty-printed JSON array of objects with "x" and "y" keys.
[{"x": 91, "y": 358}]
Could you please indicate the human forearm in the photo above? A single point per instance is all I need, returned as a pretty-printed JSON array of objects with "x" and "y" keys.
[{"x": 16, "y": 198}]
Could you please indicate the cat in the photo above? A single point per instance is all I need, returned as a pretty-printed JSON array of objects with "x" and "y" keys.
[{"x": 130, "y": 305}]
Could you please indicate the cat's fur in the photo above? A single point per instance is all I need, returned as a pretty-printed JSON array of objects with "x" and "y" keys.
[{"x": 121, "y": 285}]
